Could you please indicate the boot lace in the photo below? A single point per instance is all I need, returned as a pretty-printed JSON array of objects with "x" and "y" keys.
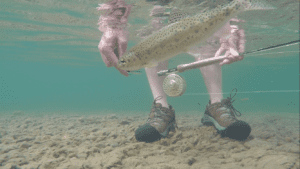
[
  {"x": 230, "y": 106},
  {"x": 158, "y": 114}
]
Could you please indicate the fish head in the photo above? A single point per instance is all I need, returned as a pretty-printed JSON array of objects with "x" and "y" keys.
[{"x": 129, "y": 61}]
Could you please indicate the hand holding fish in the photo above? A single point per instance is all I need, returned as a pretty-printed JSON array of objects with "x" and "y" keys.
[
  {"x": 232, "y": 44},
  {"x": 186, "y": 31},
  {"x": 114, "y": 40}
]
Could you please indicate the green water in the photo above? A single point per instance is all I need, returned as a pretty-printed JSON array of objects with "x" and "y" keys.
[{"x": 49, "y": 62}]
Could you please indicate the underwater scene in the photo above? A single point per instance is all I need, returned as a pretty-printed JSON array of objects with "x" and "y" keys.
[{"x": 149, "y": 84}]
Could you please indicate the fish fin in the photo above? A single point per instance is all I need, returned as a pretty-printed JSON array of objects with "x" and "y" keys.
[
  {"x": 176, "y": 15},
  {"x": 151, "y": 64},
  {"x": 194, "y": 51},
  {"x": 136, "y": 72},
  {"x": 250, "y": 5}
]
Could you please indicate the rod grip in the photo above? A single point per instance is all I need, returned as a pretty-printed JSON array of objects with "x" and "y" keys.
[{"x": 200, "y": 63}]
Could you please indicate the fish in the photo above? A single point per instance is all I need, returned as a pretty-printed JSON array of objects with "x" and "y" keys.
[{"x": 182, "y": 35}]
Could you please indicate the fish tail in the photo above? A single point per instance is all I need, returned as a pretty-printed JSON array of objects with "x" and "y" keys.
[{"x": 255, "y": 5}]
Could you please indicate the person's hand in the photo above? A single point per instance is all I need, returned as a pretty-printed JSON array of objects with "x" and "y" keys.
[
  {"x": 233, "y": 43},
  {"x": 109, "y": 49},
  {"x": 109, "y": 55},
  {"x": 124, "y": 20}
]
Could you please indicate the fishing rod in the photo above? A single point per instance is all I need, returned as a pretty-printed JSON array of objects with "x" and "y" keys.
[
  {"x": 174, "y": 85},
  {"x": 206, "y": 62}
]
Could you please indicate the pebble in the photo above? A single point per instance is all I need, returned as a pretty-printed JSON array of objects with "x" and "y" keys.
[{"x": 25, "y": 145}]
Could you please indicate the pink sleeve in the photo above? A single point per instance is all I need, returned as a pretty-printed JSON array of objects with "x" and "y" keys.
[
  {"x": 102, "y": 24},
  {"x": 104, "y": 7}
]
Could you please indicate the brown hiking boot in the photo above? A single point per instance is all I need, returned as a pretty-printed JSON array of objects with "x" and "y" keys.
[
  {"x": 160, "y": 122},
  {"x": 222, "y": 116}
]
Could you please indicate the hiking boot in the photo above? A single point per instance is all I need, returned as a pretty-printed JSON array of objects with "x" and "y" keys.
[
  {"x": 222, "y": 116},
  {"x": 160, "y": 122}
]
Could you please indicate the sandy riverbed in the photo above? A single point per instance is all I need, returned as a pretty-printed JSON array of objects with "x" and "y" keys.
[{"x": 30, "y": 141}]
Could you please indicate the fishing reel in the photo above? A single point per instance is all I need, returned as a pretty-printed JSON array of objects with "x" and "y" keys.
[{"x": 174, "y": 85}]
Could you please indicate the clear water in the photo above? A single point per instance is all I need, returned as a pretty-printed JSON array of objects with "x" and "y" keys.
[{"x": 50, "y": 62}]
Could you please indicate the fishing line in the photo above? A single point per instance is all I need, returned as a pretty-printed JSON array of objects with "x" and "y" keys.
[
  {"x": 274, "y": 53},
  {"x": 260, "y": 50},
  {"x": 174, "y": 85},
  {"x": 273, "y": 47},
  {"x": 272, "y": 91}
]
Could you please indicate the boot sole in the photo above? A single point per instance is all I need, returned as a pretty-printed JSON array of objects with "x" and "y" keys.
[
  {"x": 147, "y": 133},
  {"x": 209, "y": 121},
  {"x": 238, "y": 130}
]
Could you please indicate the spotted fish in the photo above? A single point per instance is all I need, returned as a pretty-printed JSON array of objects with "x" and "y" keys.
[
  {"x": 180, "y": 36},
  {"x": 176, "y": 15}
]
